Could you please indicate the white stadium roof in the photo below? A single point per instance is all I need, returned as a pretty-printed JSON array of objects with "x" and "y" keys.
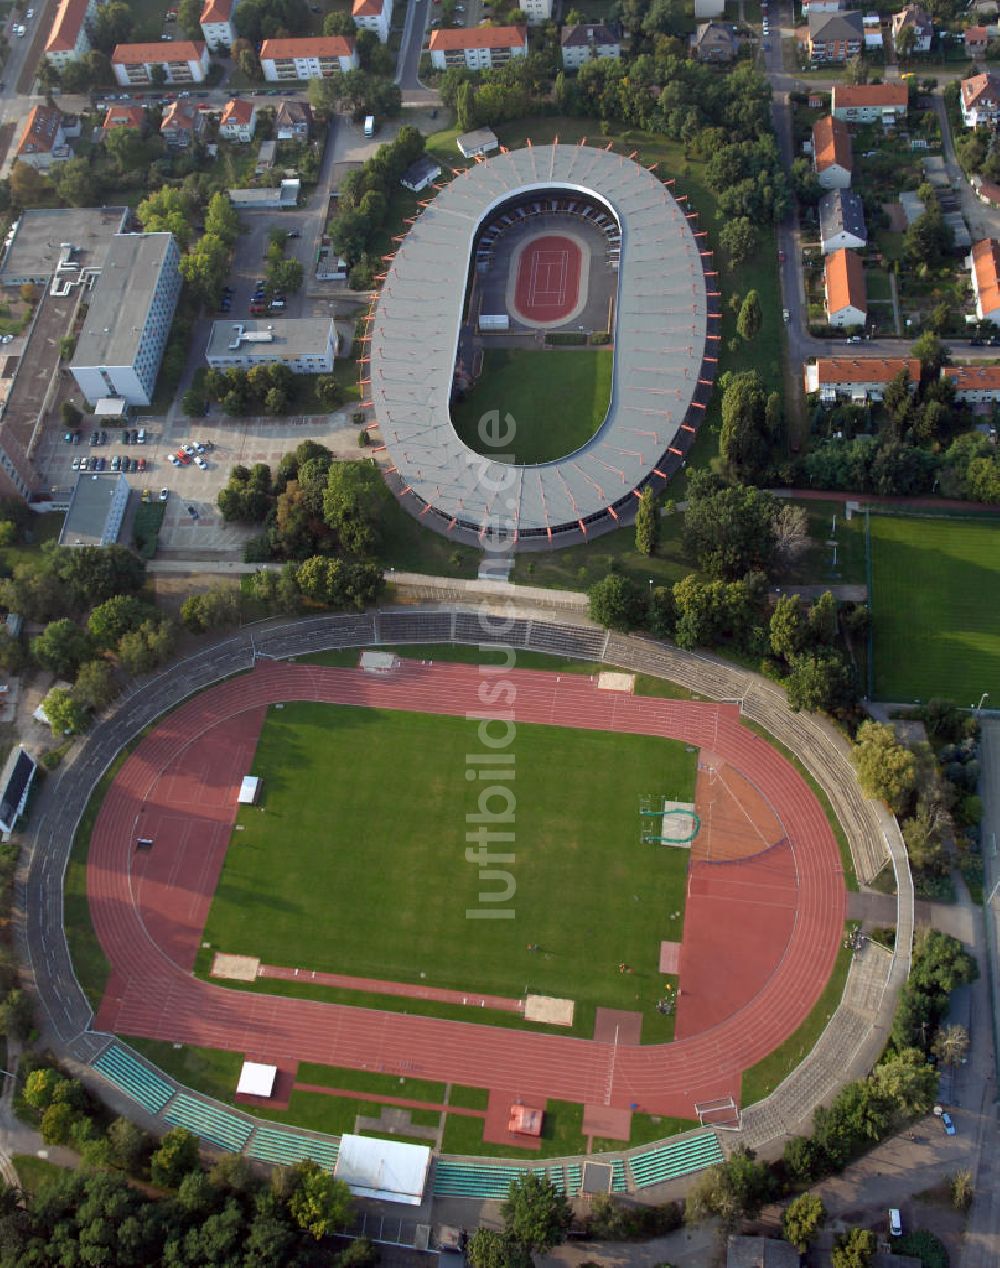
[
  {"x": 660, "y": 371},
  {"x": 385, "y": 1170}
]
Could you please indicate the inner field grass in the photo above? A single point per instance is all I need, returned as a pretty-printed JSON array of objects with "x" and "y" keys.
[
  {"x": 357, "y": 862},
  {"x": 934, "y": 608},
  {"x": 557, "y": 399}
]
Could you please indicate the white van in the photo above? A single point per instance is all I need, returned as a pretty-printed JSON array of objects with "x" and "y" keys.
[
  {"x": 369, "y": 125},
  {"x": 895, "y": 1222}
]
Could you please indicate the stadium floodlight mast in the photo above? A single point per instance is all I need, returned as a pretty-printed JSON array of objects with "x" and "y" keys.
[{"x": 982, "y": 700}]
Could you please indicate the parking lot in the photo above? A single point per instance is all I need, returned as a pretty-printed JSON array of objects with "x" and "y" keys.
[{"x": 231, "y": 441}]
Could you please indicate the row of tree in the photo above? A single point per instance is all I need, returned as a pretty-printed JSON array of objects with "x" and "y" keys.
[
  {"x": 263, "y": 389},
  {"x": 363, "y": 203},
  {"x": 228, "y": 1216},
  {"x": 205, "y": 262},
  {"x": 736, "y": 536},
  {"x": 310, "y": 505}
]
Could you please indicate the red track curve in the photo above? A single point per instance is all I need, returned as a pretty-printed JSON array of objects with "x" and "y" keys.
[{"x": 150, "y": 995}]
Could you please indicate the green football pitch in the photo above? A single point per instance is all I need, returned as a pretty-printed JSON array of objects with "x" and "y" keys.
[
  {"x": 936, "y": 608},
  {"x": 556, "y": 399},
  {"x": 357, "y": 862}
]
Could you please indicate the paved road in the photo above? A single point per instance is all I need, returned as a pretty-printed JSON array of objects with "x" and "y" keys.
[
  {"x": 982, "y": 1245},
  {"x": 410, "y": 50}
]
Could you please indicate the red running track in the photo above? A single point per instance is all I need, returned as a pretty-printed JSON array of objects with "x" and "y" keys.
[
  {"x": 152, "y": 993},
  {"x": 548, "y": 278}
]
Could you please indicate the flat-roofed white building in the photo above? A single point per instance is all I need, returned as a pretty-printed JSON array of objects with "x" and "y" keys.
[
  {"x": 15, "y": 785},
  {"x": 307, "y": 345},
  {"x": 316, "y": 57},
  {"x": 183, "y": 62},
  {"x": 479, "y": 143},
  {"x": 96, "y": 510},
  {"x": 120, "y": 347}
]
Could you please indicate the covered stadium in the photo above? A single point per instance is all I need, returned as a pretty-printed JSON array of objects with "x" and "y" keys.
[{"x": 476, "y": 243}]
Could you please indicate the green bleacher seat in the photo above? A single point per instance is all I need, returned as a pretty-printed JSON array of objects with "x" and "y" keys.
[
  {"x": 218, "y": 1126},
  {"x": 276, "y": 1145},
  {"x": 471, "y": 1180},
  {"x": 679, "y": 1158},
  {"x": 133, "y": 1078},
  {"x": 619, "y": 1180}
]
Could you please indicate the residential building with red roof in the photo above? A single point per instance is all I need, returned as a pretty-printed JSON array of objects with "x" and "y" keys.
[
  {"x": 833, "y": 158},
  {"x": 217, "y": 24},
  {"x": 373, "y": 15},
  {"x": 124, "y": 116},
  {"x": 183, "y": 62},
  {"x": 980, "y": 100},
  {"x": 870, "y": 103},
  {"x": 974, "y": 384},
  {"x": 976, "y": 39},
  {"x": 478, "y": 47},
  {"x": 68, "y": 40},
  {"x": 239, "y": 120},
  {"x": 858, "y": 378},
  {"x": 183, "y": 123},
  {"x": 43, "y": 141},
  {"x": 844, "y": 287},
  {"x": 985, "y": 261},
  {"x": 316, "y": 57}
]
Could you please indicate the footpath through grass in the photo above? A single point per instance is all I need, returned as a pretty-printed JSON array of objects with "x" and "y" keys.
[
  {"x": 356, "y": 862},
  {"x": 557, "y": 399},
  {"x": 936, "y": 608}
]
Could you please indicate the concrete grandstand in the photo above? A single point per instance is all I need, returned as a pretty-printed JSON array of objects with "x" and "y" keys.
[{"x": 663, "y": 292}]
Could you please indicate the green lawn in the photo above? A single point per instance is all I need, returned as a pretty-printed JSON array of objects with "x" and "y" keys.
[
  {"x": 213, "y": 1071},
  {"x": 556, "y": 400},
  {"x": 356, "y": 863},
  {"x": 34, "y": 1173},
  {"x": 934, "y": 608}
]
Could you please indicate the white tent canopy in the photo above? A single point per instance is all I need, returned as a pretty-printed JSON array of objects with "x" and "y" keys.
[
  {"x": 257, "y": 1079},
  {"x": 386, "y": 1170},
  {"x": 249, "y": 789}
]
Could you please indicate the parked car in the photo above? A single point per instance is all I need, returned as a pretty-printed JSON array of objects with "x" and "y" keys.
[
  {"x": 140, "y": 464},
  {"x": 164, "y": 494},
  {"x": 949, "y": 1126},
  {"x": 895, "y": 1222},
  {"x": 147, "y": 495},
  {"x": 199, "y": 461}
]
